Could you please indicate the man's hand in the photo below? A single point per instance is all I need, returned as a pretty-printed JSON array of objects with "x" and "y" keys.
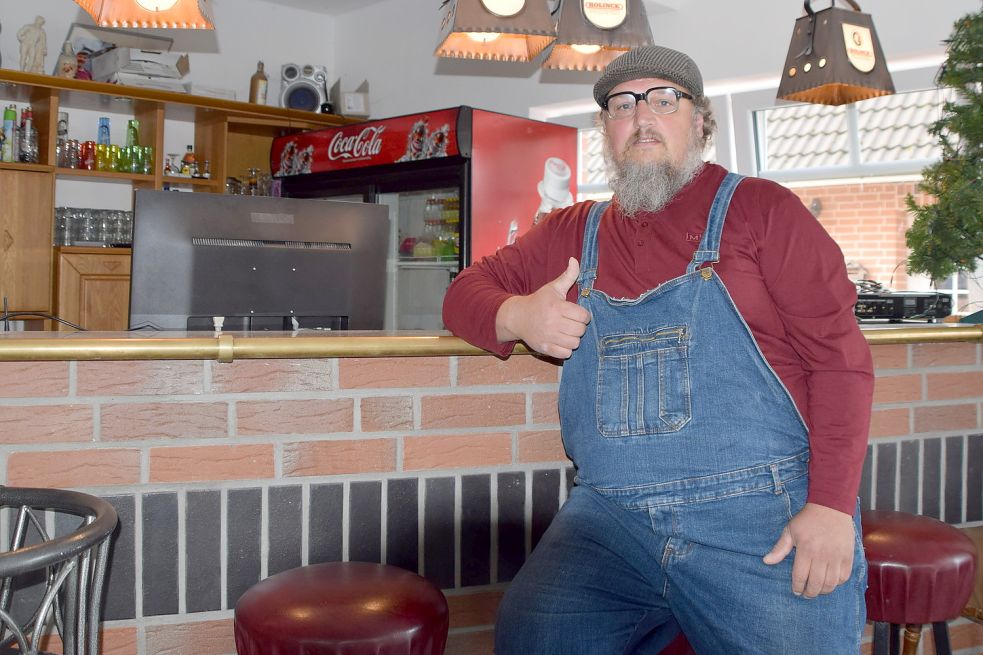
[
  {"x": 823, "y": 539},
  {"x": 544, "y": 319}
]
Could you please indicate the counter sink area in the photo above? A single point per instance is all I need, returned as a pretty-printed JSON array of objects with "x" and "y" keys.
[{"x": 230, "y": 457}]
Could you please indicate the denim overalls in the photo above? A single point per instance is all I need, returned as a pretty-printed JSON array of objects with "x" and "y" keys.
[{"x": 691, "y": 458}]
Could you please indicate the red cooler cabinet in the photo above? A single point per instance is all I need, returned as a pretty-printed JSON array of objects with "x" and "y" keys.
[{"x": 460, "y": 183}]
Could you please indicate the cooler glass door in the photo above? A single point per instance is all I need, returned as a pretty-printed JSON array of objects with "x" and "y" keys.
[{"x": 424, "y": 255}]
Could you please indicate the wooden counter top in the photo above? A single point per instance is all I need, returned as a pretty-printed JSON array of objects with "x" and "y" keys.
[{"x": 229, "y": 346}]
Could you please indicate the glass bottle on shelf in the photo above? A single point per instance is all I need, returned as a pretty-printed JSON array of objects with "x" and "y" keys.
[
  {"x": 258, "y": 84},
  {"x": 133, "y": 132},
  {"x": 188, "y": 161},
  {"x": 102, "y": 136},
  {"x": 28, "y": 147},
  {"x": 61, "y": 143}
]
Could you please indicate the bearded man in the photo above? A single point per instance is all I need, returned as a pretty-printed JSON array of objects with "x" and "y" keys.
[{"x": 715, "y": 397}]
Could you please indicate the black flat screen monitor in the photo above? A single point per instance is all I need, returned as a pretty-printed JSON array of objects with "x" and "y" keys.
[{"x": 255, "y": 263}]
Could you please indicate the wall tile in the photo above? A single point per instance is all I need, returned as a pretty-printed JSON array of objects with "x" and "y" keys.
[
  {"x": 86, "y": 468},
  {"x": 339, "y": 457},
  {"x": 910, "y": 465},
  {"x": 897, "y": 388},
  {"x": 384, "y": 372},
  {"x": 886, "y": 475},
  {"x": 422, "y": 453},
  {"x": 541, "y": 446},
  {"x": 243, "y": 563},
  {"x": 545, "y": 501},
  {"x": 890, "y": 356},
  {"x": 438, "y": 535},
  {"x": 201, "y": 463},
  {"x": 953, "y": 486},
  {"x": 943, "y": 354},
  {"x": 475, "y": 530},
  {"x": 203, "y": 569},
  {"x": 365, "y": 522},
  {"x": 944, "y": 418},
  {"x": 140, "y": 378},
  {"x": 164, "y": 421},
  {"x": 942, "y": 386},
  {"x": 402, "y": 523},
  {"x": 932, "y": 478},
  {"x": 890, "y": 422},
  {"x": 160, "y": 549},
  {"x": 45, "y": 424},
  {"x": 386, "y": 413},
  {"x": 511, "y": 524},
  {"x": 974, "y": 478},
  {"x": 119, "y": 591},
  {"x": 521, "y": 369},
  {"x": 471, "y": 411},
  {"x": 545, "y": 409},
  {"x": 273, "y": 375},
  {"x": 261, "y": 417},
  {"x": 470, "y": 609},
  {"x": 286, "y": 514},
  {"x": 470, "y": 643},
  {"x": 325, "y": 530},
  {"x": 33, "y": 379}
]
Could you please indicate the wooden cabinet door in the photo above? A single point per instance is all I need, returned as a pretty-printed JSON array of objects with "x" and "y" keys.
[
  {"x": 26, "y": 216},
  {"x": 94, "y": 289}
]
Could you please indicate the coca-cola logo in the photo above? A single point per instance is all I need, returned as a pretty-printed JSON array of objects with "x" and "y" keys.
[{"x": 367, "y": 143}]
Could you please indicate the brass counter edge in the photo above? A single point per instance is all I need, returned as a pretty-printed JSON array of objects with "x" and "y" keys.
[{"x": 227, "y": 347}]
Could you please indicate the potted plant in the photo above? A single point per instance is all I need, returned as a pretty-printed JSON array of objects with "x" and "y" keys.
[{"x": 946, "y": 235}]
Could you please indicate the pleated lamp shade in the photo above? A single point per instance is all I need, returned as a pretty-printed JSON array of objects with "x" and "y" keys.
[
  {"x": 590, "y": 34},
  {"x": 496, "y": 30},
  {"x": 186, "y": 14}
]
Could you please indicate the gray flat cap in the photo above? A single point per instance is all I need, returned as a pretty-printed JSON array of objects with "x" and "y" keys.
[{"x": 650, "y": 61}]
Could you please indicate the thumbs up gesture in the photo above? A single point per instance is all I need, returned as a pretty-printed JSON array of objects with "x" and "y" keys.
[{"x": 544, "y": 319}]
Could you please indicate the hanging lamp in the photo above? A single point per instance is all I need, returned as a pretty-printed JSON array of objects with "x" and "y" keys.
[
  {"x": 497, "y": 30},
  {"x": 185, "y": 14},
  {"x": 834, "y": 58},
  {"x": 591, "y": 33}
]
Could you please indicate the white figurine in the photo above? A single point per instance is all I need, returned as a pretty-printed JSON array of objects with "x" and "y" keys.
[
  {"x": 67, "y": 62},
  {"x": 33, "y": 46}
]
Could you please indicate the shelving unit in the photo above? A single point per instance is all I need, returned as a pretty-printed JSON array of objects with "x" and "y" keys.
[{"x": 233, "y": 135}]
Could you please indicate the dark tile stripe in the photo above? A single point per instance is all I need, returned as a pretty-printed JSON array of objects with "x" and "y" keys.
[
  {"x": 475, "y": 530},
  {"x": 954, "y": 479},
  {"x": 866, "y": 491},
  {"x": 365, "y": 522},
  {"x": 119, "y": 594},
  {"x": 438, "y": 532},
  {"x": 160, "y": 554},
  {"x": 402, "y": 524},
  {"x": 243, "y": 525},
  {"x": 285, "y": 513},
  {"x": 910, "y": 463},
  {"x": 325, "y": 530},
  {"x": 974, "y": 478},
  {"x": 545, "y": 501},
  {"x": 932, "y": 478},
  {"x": 511, "y": 524},
  {"x": 203, "y": 551}
]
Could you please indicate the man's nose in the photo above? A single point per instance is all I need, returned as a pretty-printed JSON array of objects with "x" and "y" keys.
[{"x": 644, "y": 114}]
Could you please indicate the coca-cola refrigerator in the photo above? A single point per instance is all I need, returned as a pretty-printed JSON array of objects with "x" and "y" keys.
[{"x": 460, "y": 183}]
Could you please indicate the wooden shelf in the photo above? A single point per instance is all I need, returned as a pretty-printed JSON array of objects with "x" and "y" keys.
[
  {"x": 111, "y": 176},
  {"x": 21, "y": 166}
]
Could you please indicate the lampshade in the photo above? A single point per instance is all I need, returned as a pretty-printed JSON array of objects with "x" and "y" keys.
[
  {"x": 835, "y": 58},
  {"x": 591, "y": 33},
  {"x": 498, "y": 30},
  {"x": 189, "y": 14}
]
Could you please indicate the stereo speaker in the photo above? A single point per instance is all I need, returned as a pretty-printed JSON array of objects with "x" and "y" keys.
[{"x": 303, "y": 87}]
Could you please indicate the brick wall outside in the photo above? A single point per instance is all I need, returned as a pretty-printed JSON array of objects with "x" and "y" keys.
[
  {"x": 868, "y": 221},
  {"x": 171, "y": 441}
]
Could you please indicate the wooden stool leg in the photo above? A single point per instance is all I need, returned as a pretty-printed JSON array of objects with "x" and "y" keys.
[
  {"x": 912, "y": 635},
  {"x": 881, "y": 638},
  {"x": 941, "y": 633}
]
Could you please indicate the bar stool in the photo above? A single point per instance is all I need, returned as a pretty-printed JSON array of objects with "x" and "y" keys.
[
  {"x": 920, "y": 571},
  {"x": 342, "y": 608}
]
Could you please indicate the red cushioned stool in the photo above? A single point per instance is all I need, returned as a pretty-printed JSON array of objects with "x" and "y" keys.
[
  {"x": 342, "y": 608},
  {"x": 920, "y": 571}
]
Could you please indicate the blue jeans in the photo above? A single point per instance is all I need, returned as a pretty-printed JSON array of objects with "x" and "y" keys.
[{"x": 622, "y": 576}]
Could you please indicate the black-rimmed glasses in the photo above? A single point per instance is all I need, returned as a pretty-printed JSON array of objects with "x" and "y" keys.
[{"x": 660, "y": 99}]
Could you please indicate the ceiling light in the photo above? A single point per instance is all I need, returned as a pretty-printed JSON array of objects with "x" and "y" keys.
[
  {"x": 185, "y": 14},
  {"x": 834, "y": 58},
  {"x": 497, "y": 30},
  {"x": 590, "y": 34}
]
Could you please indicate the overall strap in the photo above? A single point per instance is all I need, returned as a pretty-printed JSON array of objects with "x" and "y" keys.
[
  {"x": 588, "y": 256},
  {"x": 709, "y": 249}
]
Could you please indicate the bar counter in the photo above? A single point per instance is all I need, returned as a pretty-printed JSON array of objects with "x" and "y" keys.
[{"x": 231, "y": 457}]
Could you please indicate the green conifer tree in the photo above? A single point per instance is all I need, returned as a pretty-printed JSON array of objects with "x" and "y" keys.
[{"x": 946, "y": 235}]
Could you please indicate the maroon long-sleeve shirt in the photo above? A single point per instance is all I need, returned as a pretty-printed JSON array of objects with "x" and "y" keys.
[{"x": 783, "y": 271}]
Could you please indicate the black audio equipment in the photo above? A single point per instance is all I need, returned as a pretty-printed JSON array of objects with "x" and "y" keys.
[
  {"x": 303, "y": 87},
  {"x": 903, "y": 305}
]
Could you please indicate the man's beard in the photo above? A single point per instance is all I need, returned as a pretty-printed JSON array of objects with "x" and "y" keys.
[{"x": 649, "y": 186}]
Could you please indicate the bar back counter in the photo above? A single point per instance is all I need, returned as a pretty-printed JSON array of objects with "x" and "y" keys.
[{"x": 232, "y": 457}]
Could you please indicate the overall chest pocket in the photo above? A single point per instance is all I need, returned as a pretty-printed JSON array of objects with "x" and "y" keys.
[{"x": 643, "y": 384}]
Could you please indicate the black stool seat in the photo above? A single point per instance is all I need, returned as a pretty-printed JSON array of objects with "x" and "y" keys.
[{"x": 342, "y": 608}]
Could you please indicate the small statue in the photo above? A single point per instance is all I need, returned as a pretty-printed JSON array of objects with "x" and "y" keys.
[
  {"x": 67, "y": 63},
  {"x": 33, "y": 46}
]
